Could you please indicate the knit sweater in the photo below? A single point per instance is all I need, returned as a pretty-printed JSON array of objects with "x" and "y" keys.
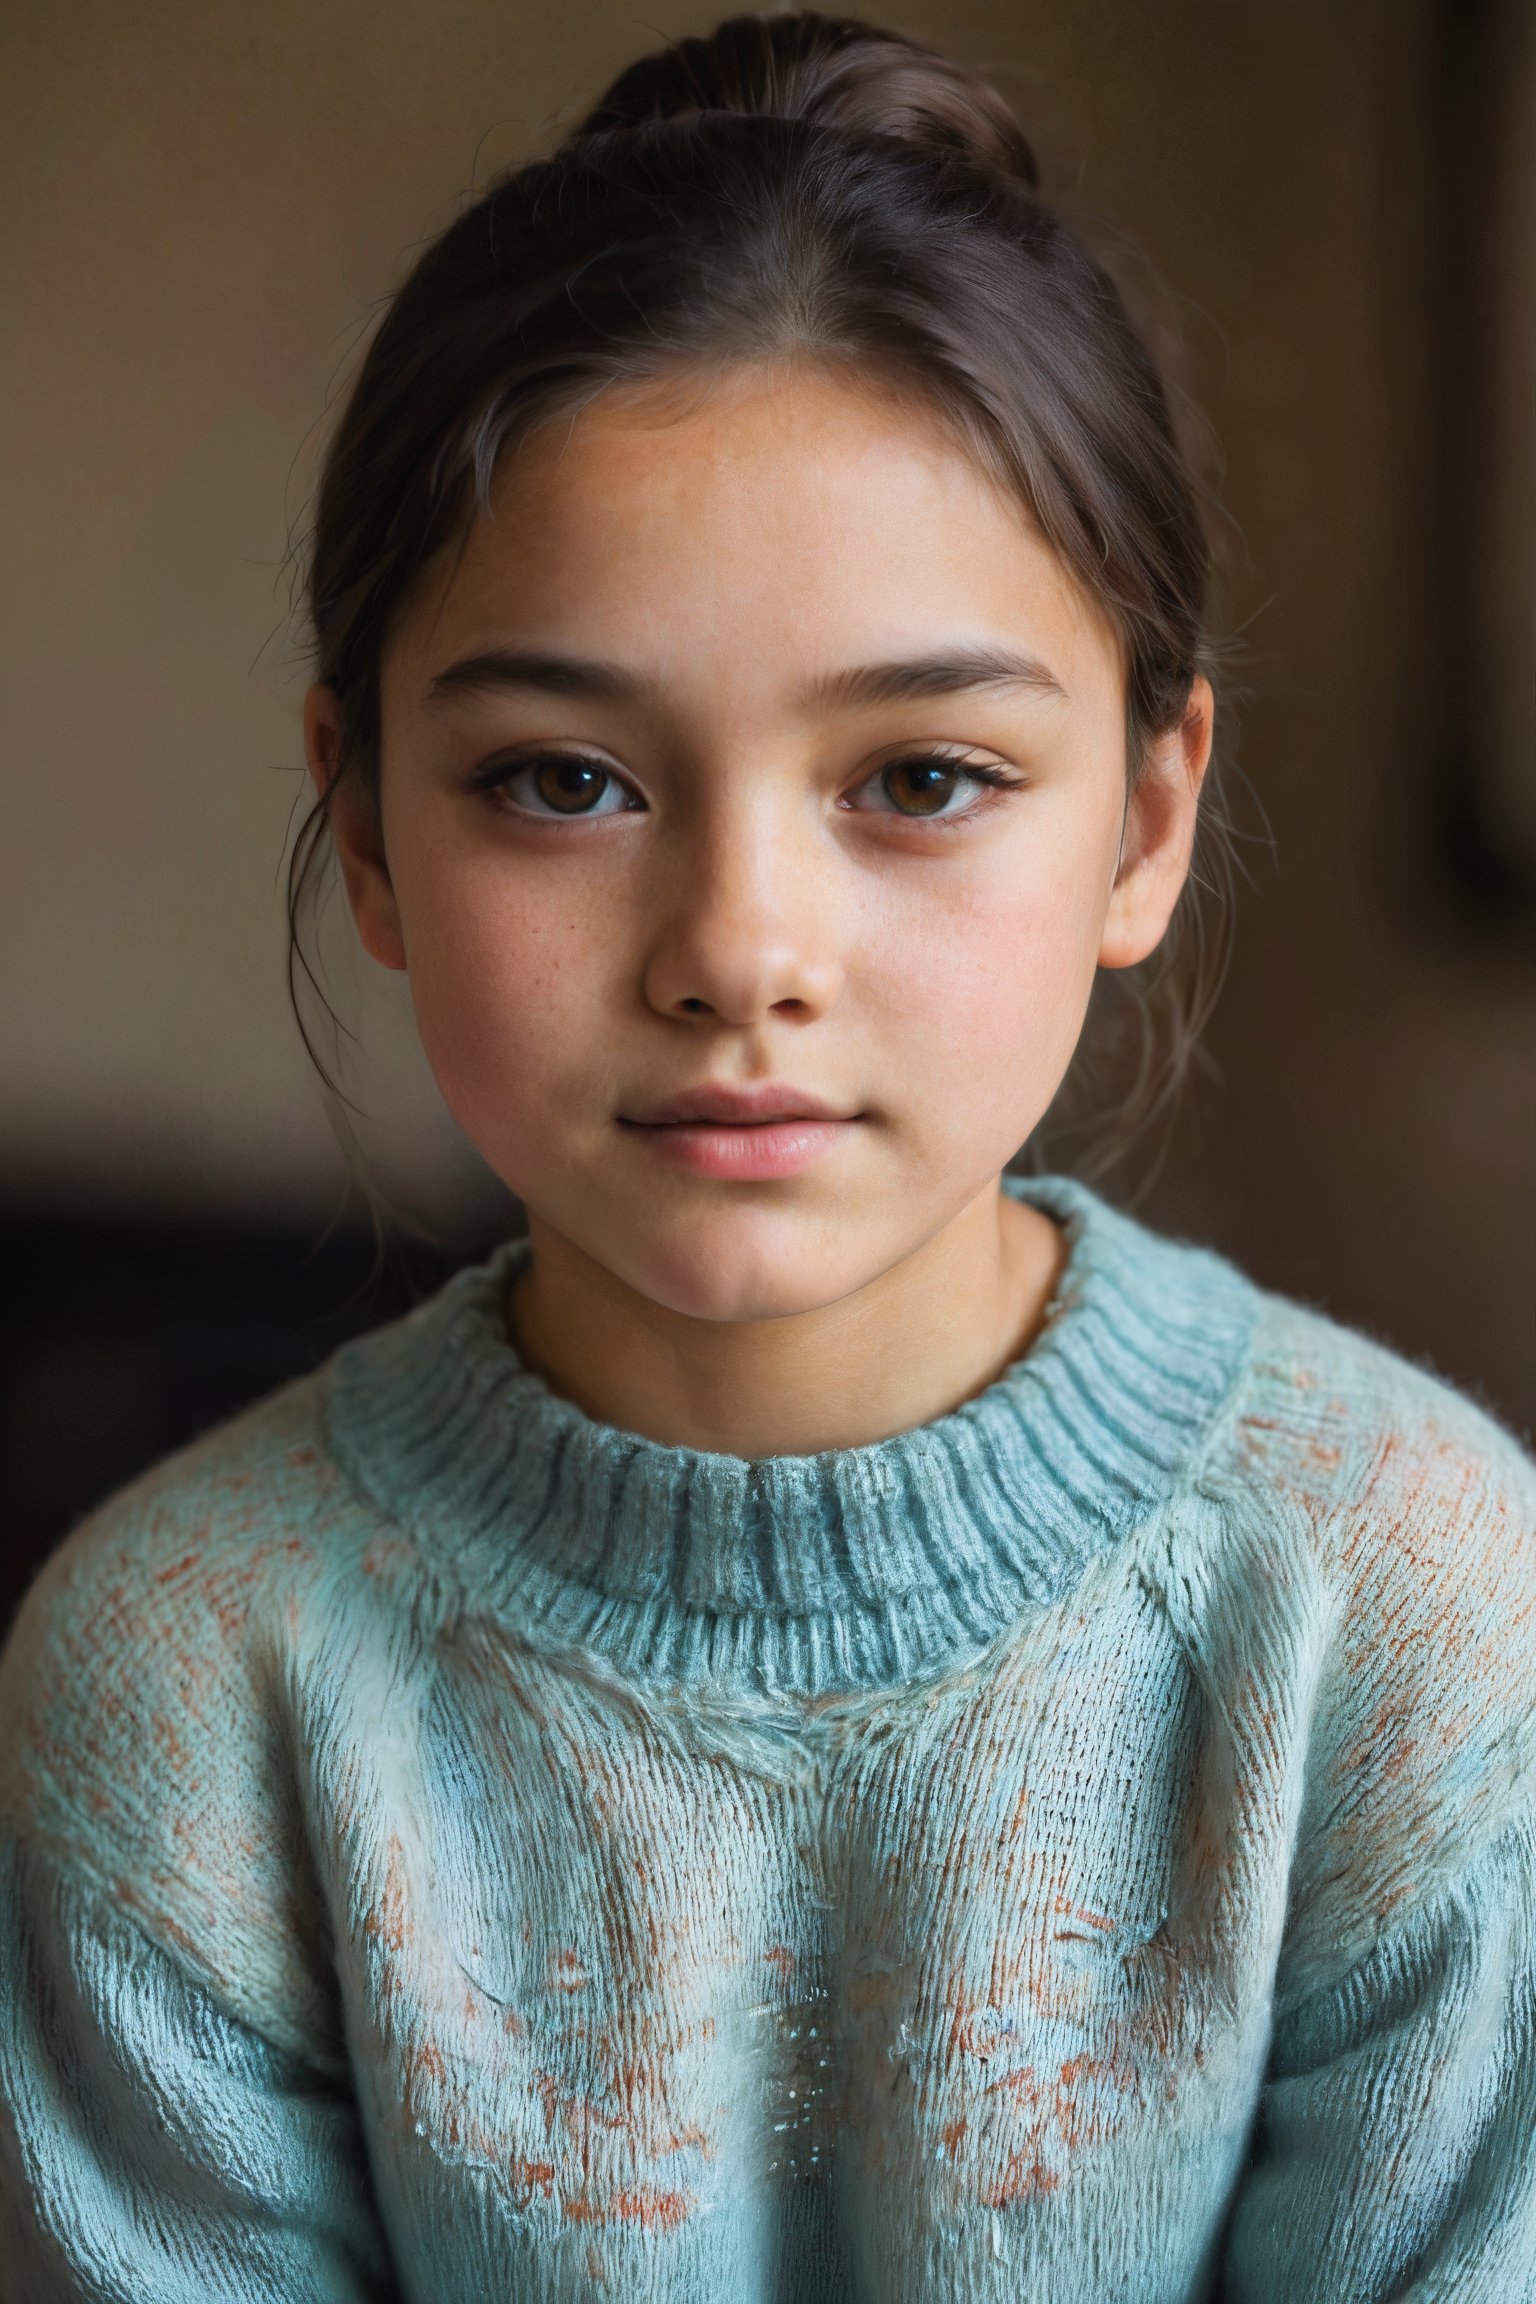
[{"x": 1081, "y": 1848}]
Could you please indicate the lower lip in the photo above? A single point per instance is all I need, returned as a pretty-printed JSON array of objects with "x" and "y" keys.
[{"x": 745, "y": 1155}]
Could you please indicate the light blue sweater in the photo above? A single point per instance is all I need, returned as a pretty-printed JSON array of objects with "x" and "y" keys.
[{"x": 1081, "y": 1849}]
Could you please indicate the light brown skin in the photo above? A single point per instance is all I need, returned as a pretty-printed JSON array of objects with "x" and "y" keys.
[{"x": 759, "y": 907}]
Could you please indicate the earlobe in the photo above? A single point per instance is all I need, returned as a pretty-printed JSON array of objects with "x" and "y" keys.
[
  {"x": 1159, "y": 835},
  {"x": 356, "y": 830}
]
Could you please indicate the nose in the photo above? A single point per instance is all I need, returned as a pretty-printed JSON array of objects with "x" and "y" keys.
[{"x": 749, "y": 925}]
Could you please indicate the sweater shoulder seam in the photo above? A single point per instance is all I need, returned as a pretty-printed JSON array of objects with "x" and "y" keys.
[{"x": 72, "y": 1863}]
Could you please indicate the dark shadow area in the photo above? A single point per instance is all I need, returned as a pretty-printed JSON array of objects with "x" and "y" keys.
[
  {"x": 121, "y": 1341},
  {"x": 1480, "y": 823}
]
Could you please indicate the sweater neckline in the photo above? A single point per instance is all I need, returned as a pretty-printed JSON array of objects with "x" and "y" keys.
[{"x": 798, "y": 1576}]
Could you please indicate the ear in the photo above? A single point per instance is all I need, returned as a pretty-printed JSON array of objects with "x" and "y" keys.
[
  {"x": 1159, "y": 835},
  {"x": 357, "y": 832}
]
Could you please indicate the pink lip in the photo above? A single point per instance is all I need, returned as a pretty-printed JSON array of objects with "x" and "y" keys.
[
  {"x": 732, "y": 1106},
  {"x": 748, "y": 1135}
]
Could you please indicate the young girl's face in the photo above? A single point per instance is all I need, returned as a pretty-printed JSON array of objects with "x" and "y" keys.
[{"x": 756, "y": 750}]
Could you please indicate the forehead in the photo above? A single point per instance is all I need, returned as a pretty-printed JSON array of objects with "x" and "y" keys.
[{"x": 798, "y": 514}]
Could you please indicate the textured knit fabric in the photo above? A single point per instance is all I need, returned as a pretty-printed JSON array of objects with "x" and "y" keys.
[{"x": 1081, "y": 1849}]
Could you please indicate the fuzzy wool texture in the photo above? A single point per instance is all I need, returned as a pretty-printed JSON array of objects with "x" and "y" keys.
[{"x": 1081, "y": 1849}]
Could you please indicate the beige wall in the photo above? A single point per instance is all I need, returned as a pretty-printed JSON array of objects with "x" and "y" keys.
[{"x": 203, "y": 203}]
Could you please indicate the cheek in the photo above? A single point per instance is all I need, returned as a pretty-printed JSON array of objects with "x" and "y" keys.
[
  {"x": 988, "y": 994},
  {"x": 508, "y": 973}
]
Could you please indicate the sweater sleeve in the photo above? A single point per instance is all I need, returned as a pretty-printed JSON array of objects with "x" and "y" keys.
[
  {"x": 1395, "y": 2150},
  {"x": 177, "y": 2111},
  {"x": 1396, "y": 2154},
  {"x": 154, "y": 2149}
]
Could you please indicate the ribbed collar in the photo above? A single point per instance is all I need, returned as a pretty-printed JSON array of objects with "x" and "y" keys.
[{"x": 798, "y": 1575}]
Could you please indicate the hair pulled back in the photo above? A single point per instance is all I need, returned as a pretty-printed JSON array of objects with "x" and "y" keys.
[{"x": 801, "y": 187}]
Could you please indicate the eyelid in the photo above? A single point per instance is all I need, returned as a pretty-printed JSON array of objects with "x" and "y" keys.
[
  {"x": 495, "y": 776},
  {"x": 987, "y": 775}
]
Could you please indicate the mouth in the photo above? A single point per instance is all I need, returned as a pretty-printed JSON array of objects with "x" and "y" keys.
[
  {"x": 725, "y": 1104},
  {"x": 752, "y": 1134}
]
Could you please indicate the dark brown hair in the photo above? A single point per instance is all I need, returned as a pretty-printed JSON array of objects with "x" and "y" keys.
[{"x": 809, "y": 187}]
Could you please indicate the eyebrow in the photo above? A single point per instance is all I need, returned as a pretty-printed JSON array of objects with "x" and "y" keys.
[
  {"x": 902, "y": 681},
  {"x": 554, "y": 675},
  {"x": 910, "y": 679}
]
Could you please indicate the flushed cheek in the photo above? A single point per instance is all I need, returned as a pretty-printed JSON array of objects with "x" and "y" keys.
[
  {"x": 516, "y": 1008},
  {"x": 982, "y": 1008}
]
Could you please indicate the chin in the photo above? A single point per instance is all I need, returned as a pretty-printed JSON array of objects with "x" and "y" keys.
[{"x": 744, "y": 1264}]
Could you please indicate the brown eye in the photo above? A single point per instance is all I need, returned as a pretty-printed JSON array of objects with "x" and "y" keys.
[
  {"x": 573, "y": 787},
  {"x": 549, "y": 784},
  {"x": 920, "y": 787}
]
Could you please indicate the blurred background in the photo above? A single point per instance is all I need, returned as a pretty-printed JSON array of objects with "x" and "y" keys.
[{"x": 204, "y": 205}]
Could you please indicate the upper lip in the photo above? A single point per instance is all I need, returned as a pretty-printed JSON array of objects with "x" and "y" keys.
[{"x": 728, "y": 1105}]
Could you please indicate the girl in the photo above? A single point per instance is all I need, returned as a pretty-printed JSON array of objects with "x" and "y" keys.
[{"x": 835, "y": 1724}]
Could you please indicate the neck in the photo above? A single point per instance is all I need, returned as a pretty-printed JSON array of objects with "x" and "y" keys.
[{"x": 911, "y": 1344}]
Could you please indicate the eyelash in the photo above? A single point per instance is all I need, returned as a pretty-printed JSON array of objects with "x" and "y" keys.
[
  {"x": 991, "y": 779},
  {"x": 499, "y": 774}
]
